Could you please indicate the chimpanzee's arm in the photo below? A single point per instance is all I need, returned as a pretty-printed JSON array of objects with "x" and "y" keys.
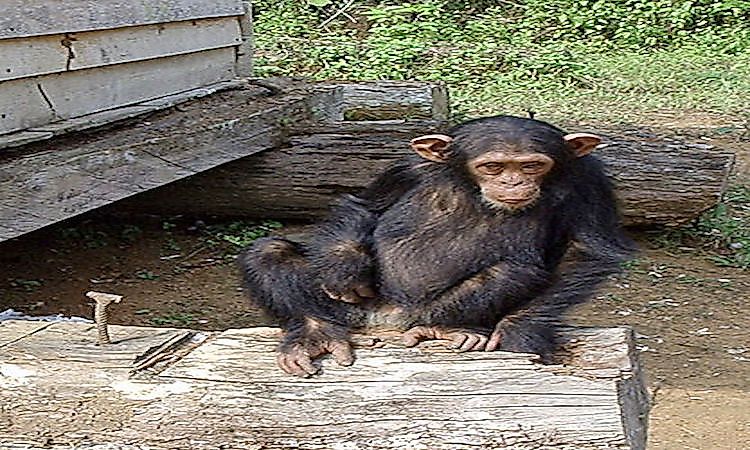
[
  {"x": 599, "y": 247},
  {"x": 487, "y": 294},
  {"x": 340, "y": 250}
]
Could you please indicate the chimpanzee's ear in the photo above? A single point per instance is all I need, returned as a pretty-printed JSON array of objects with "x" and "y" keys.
[
  {"x": 582, "y": 143},
  {"x": 434, "y": 147}
]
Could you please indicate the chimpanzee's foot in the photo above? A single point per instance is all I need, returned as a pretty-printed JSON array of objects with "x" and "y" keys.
[
  {"x": 460, "y": 339},
  {"x": 301, "y": 346},
  {"x": 523, "y": 336}
]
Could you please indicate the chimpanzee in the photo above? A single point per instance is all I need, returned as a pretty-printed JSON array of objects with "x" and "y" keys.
[{"x": 464, "y": 244}]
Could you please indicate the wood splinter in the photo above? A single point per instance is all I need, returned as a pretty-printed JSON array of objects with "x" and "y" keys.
[{"x": 101, "y": 315}]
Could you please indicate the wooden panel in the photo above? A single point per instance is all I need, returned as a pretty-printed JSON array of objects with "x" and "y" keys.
[
  {"x": 22, "y": 106},
  {"x": 28, "y": 103},
  {"x": 20, "y": 58},
  {"x": 50, "y": 54},
  {"x": 32, "y": 18},
  {"x": 76, "y": 94}
]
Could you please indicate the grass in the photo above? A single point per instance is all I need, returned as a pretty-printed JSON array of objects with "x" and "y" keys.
[{"x": 568, "y": 65}]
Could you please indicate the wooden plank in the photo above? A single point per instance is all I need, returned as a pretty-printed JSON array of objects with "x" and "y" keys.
[
  {"x": 70, "y": 178},
  {"x": 22, "y": 106},
  {"x": 75, "y": 94},
  {"x": 385, "y": 100},
  {"x": 41, "y": 55},
  {"x": 14, "y": 330},
  {"x": 228, "y": 393},
  {"x": 244, "y": 65},
  {"x": 34, "y": 102},
  {"x": 22, "y": 18},
  {"x": 23, "y": 137},
  {"x": 20, "y": 58},
  {"x": 659, "y": 181}
]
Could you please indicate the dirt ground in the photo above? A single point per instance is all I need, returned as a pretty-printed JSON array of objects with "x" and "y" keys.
[{"x": 691, "y": 316}]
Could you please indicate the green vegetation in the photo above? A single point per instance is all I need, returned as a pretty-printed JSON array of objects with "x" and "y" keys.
[
  {"x": 568, "y": 60},
  {"x": 26, "y": 285},
  {"x": 174, "y": 320},
  {"x": 239, "y": 234},
  {"x": 724, "y": 231}
]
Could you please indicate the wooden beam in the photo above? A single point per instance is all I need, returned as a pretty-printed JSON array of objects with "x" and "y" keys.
[
  {"x": 19, "y": 18},
  {"x": 228, "y": 392},
  {"x": 244, "y": 64},
  {"x": 54, "y": 181},
  {"x": 41, "y": 55},
  {"x": 28, "y": 103}
]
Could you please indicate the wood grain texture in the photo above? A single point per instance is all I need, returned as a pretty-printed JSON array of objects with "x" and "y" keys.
[
  {"x": 394, "y": 100},
  {"x": 20, "y": 58},
  {"x": 23, "y": 18},
  {"x": 28, "y": 103},
  {"x": 22, "y": 105},
  {"x": 41, "y": 55},
  {"x": 71, "y": 177},
  {"x": 228, "y": 393}
]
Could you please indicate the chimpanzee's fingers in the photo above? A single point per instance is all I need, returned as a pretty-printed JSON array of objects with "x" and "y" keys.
[
  {"x": 288, "y": 364},
  {"x": 342, "y": 353},
  {"x": 350, "y": 297},
  {"x": 471, "y": 341},
  {"x": 306, "y": 363},
  {"x": 494, "y": 342},
  {"x": 457, "y": 341},
  {"x": 414, "y": 335},
  {"x": 330, "y": 293},
  {"x": 364, "y": 291},
  {"x": 481, "y": 344}
]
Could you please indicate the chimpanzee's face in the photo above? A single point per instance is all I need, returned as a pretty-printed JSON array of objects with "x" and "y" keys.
[
  {"x": 507, "y": 158},
  {"x": 509, "y": 180}
]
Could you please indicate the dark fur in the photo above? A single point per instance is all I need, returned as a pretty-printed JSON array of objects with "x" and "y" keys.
[{"x": 422, "y": 237}]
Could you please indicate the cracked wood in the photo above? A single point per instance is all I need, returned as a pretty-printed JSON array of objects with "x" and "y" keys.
[{"x": 228, "y": 393}]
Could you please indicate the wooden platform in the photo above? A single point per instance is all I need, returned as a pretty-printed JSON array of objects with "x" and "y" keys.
[{"x": 198, "y": 390}]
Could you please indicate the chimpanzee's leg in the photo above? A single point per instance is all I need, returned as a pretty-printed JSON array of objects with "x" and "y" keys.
[{"x": 279, "y": 279}]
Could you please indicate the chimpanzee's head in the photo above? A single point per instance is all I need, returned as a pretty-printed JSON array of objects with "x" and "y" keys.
[{"x": 509, "y": 158}]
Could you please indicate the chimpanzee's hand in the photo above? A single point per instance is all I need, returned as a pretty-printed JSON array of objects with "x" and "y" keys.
[
  {"x": 355, "y": 292},
  {"x": 300, "y": 348},
  {"x": 460, "y": 339}
]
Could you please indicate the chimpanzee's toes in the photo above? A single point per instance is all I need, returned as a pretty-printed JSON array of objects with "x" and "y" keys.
[
  {"x": 342, "y": 352},
  {"x": 296, "y": 362}
]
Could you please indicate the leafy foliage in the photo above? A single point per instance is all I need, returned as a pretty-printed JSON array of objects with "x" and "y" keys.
[{"x": 550, "y": 56}]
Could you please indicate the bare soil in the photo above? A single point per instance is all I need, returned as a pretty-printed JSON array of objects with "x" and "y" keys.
[{"x": 691, "y": 316}]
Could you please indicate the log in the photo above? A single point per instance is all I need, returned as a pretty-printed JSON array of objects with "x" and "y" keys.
[
  {"x": 46, "y": 182},
  {"x": 659, "y": 181},
  {"x": 223, "y": 390}
]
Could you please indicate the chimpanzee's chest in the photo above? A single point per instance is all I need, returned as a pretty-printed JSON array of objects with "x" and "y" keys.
[{"x": 424, "y": 247}]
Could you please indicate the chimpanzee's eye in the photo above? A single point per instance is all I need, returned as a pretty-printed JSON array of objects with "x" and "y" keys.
[
  {"x": 492, "y": 168},
  {"x": 532, "y": 166}
]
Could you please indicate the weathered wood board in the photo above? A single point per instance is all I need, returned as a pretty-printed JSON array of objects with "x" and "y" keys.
[
  {"x": 20, "y": 18},
  {"x": 28, "y": 102},
  {"x": 228, "y": 393},
  {"x": 20, "y": 58},
  {"x": 72, "y": 175}
]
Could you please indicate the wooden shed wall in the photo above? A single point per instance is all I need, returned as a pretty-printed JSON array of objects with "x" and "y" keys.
[{"x": 64, "y": 59}]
